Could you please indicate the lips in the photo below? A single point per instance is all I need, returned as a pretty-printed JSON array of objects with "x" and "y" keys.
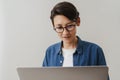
[{"x": 66, "y": 37}]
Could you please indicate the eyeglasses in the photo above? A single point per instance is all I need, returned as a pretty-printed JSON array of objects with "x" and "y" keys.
[{"x": 69, "y": 28}]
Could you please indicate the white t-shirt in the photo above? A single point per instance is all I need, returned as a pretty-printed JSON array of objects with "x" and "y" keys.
[{"x": 68, "y": 57}]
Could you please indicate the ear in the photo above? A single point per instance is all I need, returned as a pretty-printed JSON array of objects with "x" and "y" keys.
[{"x": 78, "y": 21}]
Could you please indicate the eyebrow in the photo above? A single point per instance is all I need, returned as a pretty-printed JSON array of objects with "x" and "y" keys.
[{"x": 65, "y": 24}]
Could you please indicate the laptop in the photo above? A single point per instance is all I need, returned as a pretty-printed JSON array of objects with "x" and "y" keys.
[{"x": 63, "y": 73}]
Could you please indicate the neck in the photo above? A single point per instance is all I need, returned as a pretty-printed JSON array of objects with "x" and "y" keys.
[{"x": 70, "y": 45}]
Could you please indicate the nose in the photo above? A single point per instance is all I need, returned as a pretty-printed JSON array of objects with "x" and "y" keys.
[{"x": 65, "y": 31}]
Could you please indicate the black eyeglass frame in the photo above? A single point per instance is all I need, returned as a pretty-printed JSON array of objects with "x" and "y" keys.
[{"x": 69, "y": 28}]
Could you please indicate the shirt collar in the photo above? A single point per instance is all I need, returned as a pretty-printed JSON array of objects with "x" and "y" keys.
[{"x": 79, "y": 46}]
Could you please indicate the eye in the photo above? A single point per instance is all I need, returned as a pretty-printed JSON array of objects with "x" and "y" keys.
[
  {"x": 70, "y": 26},
  {"x": 59, "y": 27}
]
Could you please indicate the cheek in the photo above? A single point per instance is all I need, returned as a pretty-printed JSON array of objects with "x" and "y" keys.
[
  {"x": 73, "y": 32},
  {"x": 59, "y": 34}
]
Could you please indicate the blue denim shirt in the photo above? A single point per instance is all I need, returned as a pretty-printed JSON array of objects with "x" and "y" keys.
[{"x": 86, "y": 54}]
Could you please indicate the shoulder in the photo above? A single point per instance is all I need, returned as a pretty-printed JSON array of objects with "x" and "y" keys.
[
  {"x": 91, "y": 47},
  {"x": 54, "y": 48},
  {"x": 90, "y": 44},
  {"x": 87, "y": 44}
]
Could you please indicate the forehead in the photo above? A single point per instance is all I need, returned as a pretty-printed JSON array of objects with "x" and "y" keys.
[{"x": 61, "y": 19}]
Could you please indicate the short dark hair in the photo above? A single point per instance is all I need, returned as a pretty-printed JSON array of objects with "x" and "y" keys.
[{"x": 65, "y": 8}]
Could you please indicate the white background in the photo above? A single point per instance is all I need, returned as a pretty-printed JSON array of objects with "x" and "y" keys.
[{"x": 26, "y": 31}]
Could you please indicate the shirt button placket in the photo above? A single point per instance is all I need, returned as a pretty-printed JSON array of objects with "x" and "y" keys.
[{"x": 61, "y": 60}]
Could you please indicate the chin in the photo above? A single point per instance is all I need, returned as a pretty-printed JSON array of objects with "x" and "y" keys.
[{"x": 66, "y": 40}]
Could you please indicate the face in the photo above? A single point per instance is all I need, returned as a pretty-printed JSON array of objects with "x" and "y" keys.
[{"x": 68, "y": 33}]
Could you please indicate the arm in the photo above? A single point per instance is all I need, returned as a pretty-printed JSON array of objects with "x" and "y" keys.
[{"x": 100, "y": 58}]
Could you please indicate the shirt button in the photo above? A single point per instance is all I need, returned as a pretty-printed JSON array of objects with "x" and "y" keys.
[{"x": 61, "y": 61}]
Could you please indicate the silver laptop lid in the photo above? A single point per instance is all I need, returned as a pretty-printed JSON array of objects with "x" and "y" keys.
[{"x": 63, "y": 73}]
